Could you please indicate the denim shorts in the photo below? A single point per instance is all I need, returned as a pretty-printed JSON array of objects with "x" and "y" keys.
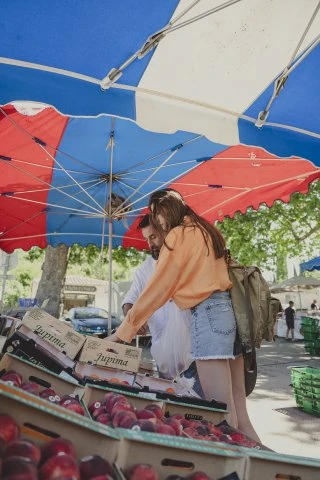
[{"x": 213, "y": 329}]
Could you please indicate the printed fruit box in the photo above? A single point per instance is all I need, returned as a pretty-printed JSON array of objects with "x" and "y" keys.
[
  {"x": 27, "y": 345},
  {"x": 42, "y": 383},
  {"x": 89, "y": 447},
  {"x": 177, "y": 457},
  {"x": 269, "y": 465},
  {"x": 59, "y": 335},
  {"x": 95, "y": 373},
  {"x": 110, "y": 354},
  {"x": 156, "y": 384}
]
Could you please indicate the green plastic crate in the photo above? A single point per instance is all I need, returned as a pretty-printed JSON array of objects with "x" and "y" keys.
[{"x": 310, "y": 321}]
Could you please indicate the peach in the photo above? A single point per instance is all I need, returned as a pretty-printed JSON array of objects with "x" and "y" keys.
[
  {"x": 199, "y": 476},
  {"x": 31, "y": 387},
  {"x": 58, "y": 446},
  {"x": 93, "y": 406},
  {"x": 145, "y": 414},
  {"x": 59, "y": 466},
  {"x": 99, "y": 411},
  {"x": 9, "y": 429},
  {"x": 144, "y": 425},
  {"x": 48, "y": 392},
  {"x": 75, "y": 407},
  {"x": 142, "y": 472},
  {"x": 25, "y": 449},
  {"x": 123, "y": 417},
  {"x": 121, "y": 406},
  {"x": 67, "y": 399},
  {"x": 104, "y": 418},
  {"x": 14, "y": 466},
  {"x": 156, "y": 409},
  {"x": 165, "y": 430},
  {"x": 175, "y": 424},
  {"x": 113, "y": 399},
  {"x": 94, "y": 466},
  {"x": 12, "y": 376}
]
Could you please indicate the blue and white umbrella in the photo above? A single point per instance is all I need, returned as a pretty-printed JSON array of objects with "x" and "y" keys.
[
  {"x": 237, "y": 71},
  {"x": 310, "y": 265}
]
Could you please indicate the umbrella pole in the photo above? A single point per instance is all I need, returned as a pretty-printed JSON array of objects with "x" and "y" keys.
[{"x": 110, "y": 278}]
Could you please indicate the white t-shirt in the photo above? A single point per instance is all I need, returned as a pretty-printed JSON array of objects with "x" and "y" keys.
[{"x": 144, "y": 272}]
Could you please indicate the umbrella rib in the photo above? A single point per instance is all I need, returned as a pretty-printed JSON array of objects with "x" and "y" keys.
[
  {"x": 62, "y": 186},
  {"x": 283, "y": 77},
  {"x": 22, "y": 222},
  {"x": 163, "y": 185},
  {"x": 297, "y": 177},
  {"x": 46, "y": 204},
  {"x": 50, "y": 167},
  {"x": 75, "y": 182},
  {"x": 152, "y": 168},
  {"x": 53, "y": 234},
  {"x": 153, "y": 40}
]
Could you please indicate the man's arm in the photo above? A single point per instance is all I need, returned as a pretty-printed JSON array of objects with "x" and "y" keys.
[{"x": 126, "y": 307}]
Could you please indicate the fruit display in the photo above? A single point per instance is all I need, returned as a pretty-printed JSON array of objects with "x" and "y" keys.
[
  {"x": 70, "y": 402},
  {"x": 22, "y": 459},
  {"x": 116, "y": 411},
  {"x": 142, "y": 471}
]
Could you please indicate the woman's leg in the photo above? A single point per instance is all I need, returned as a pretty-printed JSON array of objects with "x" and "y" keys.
[
  {"x": 239, "y": 398},
  {"x": 215, "y": 379}
]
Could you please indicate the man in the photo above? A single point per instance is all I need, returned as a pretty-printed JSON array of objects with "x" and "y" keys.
[
  {"x": 290, "y": 314},
  {"x": 314, "y": 305},
  {"x": 158, "y": 321}
]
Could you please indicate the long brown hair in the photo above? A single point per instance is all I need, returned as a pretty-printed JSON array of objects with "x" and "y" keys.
[{"x": 170, "y": 204}]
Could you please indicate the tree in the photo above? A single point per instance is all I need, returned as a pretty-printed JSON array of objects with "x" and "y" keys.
[
  {"x": 268, "y": 236},
  {"x": 57, "y": 260}
]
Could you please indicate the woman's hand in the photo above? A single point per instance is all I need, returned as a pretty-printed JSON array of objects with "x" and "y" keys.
[{"x": 113, "y": 338}]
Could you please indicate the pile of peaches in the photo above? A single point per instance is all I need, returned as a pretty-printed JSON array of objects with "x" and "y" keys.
[
  {"x": 56, "y": 460},
  {"x": 116, "y": 411},
  {"x": 70, "y": 402}
]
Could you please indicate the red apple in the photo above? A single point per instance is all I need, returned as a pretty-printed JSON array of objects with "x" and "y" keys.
[
  {"x": 94, "y": 466},
  {"x": 13, "y": 466},
  {"x": 9, "y": 429},
  {"x": 123, "y": 417},
  {"x": 156, "y": 409},
  {"x": 12, "y": 376},
  {"x": 142, "y": 472},
  {"x": 58, "y": 446},
  {"x": 25, "y": 449},
  {"x": 145, "y": 414},
  {"x": 59, "y": 466},
  {"x": 31, "y": 387},
  {"x": 165, "y": 430}
]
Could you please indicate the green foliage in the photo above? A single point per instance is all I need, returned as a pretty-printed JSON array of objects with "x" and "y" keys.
[
  {"x": 268, "y": 236},
  {"x": 35, "y": 254},
  {"x": 11, "y": 299},
  {"x": 25, "y": 279}
]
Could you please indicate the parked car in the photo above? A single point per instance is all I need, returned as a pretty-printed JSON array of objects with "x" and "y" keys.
[{"x": 91, "y": 320}]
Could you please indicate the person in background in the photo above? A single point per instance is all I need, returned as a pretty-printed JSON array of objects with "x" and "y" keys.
[
  {"x": 157, "y": 322},
  {"x": 192, "y": 270},
  {"x": 290, "y": 314},
  {"x": 314, "y": 305}
]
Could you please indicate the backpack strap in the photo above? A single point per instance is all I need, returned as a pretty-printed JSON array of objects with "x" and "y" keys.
[{"x": 253, "y": 362}]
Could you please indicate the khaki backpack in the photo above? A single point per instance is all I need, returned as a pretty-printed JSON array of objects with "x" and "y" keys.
[{"x": 251, "y": 301}]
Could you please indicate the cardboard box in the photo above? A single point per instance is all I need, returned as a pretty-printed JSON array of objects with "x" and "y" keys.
[
  {"x": 269, "y": 465},
  {"x": 110, "y": 354},
  {"x": 59, "y": 335},
  {"x": 43, "y": 377},
  {"x": 175, "y": 456},
  {"x": 95, "y": 394},
  {"x": 156, "y": 384},
  {"x": 195, "y": 412},
  {"x": 40, "y": 424},
  {"x": 86, "y": 372},
  {"x": 35, "y": 350}
]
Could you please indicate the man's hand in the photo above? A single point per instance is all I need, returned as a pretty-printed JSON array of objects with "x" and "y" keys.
[
  {"x": 144, "y": 330},
  {"x": 126, "y": 307}
]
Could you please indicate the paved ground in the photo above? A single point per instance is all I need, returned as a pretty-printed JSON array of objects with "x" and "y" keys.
[{"x": 272, "y": 408}]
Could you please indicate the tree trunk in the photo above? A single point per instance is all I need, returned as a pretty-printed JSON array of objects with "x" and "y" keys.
[{"x": 53, "y": 274}]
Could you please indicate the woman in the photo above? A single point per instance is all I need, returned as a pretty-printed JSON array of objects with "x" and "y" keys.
[{"x": 192, "y": 271}]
